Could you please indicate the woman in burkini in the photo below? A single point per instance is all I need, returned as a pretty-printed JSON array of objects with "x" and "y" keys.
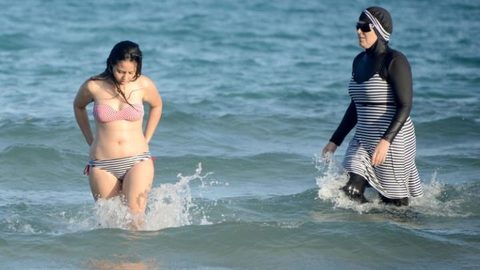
[
  {"x": 381, "y": 154},
  {"x": 120, "y": 162}
]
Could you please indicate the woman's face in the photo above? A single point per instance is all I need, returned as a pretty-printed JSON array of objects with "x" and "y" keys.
[
  {"x": 366, "y": 36},
  {"x": 124, "y": 71}
]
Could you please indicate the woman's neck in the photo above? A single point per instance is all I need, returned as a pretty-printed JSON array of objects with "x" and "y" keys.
[{"x": 379, "y": 47}]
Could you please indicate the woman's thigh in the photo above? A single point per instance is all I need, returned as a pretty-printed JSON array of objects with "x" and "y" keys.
[
  {"x": 103, "y": 184},
  {"x": 137, "y": 184}
]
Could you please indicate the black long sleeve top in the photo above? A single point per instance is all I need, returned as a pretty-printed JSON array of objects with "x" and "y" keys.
[{"x": 392, "y": 66}]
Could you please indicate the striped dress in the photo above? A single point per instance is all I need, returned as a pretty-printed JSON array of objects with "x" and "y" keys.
[{"x": 397, "y": 177}]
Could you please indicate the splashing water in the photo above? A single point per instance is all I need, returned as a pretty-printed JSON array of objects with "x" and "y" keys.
[
  {"x": 332, "y": 178},
  {"x": 169, "y": 205},
  {"x": 330, "y": 182}
]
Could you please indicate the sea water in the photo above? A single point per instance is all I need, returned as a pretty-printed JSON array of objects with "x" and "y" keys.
[{"x": 252, "y": 91}]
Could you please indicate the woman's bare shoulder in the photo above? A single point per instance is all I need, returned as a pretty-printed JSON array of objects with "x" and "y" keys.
[
  {"x": 146, "y": 84},
  {"x": 145, "y": 81},
  {"x": 93, "y": 84}
]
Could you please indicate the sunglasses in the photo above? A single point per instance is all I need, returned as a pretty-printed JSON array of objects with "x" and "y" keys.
[{"x": 365, "y": 27}]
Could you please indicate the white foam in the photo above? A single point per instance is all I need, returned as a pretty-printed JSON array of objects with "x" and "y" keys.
[
  {"x": 329, "y": 183},
  {"x": 332, "y": 178},
  {"x": 15, "y": 225}
]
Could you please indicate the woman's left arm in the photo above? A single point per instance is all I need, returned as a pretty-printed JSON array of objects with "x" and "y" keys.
[
  {"x": 153, "y": 98},
  {"x": 400, "y": 79}
]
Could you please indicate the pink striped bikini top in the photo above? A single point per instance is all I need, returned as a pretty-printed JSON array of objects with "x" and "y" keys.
[{"x": 104, "y": 113}]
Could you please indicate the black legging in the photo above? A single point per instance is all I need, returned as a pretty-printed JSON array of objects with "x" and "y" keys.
[{"x": 355, "y": 189}]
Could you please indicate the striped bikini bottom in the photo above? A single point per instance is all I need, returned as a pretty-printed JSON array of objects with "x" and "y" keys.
[{"x": 117, "y": 166}]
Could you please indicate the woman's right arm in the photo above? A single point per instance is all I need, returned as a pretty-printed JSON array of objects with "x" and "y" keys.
[
  {"x": 82, "y": 99},
  {"x": 348, "y": 122}
]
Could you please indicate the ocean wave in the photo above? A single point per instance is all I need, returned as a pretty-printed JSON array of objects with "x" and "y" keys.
[
  {"x": 191, "y": 200},
  {"x": 45, "y": 167},
  {"x": 448, "y": 127},
  {"x": 179, "y": 219},
  {"x": 15, "y": 42}
]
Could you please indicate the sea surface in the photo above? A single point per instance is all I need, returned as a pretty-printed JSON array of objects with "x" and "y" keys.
[{"x": 252, "y": 91}]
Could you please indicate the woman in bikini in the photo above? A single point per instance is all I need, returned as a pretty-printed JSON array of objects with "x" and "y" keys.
[{"x": 120, "y": 162}]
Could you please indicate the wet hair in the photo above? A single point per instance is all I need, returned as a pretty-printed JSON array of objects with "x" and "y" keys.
[{"x": 124, "y": 50}]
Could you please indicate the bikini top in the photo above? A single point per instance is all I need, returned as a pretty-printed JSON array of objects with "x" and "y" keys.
[{"x": 104, "y": 113}]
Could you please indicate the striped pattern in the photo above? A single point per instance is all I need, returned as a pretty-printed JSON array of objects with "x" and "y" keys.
[
  {"x": 119, "y": 166},
  {"x": 397, "y": 177},
  {"x": 104, "y": 113},
  {"x": 385, "y": 35}
]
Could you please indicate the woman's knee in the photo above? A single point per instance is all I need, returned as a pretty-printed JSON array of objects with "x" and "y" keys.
[
  {"x": 355, "y": 187},
  {"x": 137, "y": 202}
]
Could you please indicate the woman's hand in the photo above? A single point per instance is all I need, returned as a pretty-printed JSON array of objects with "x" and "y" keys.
[
  {"x": 328, "y": 150},
  {"x": 380, "y": 153}
]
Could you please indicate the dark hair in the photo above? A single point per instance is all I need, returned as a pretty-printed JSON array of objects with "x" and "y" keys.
[{"x": 124, "y": 50}]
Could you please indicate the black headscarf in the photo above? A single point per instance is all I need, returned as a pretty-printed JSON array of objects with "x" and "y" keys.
[{"x": 380, "y": 19}]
